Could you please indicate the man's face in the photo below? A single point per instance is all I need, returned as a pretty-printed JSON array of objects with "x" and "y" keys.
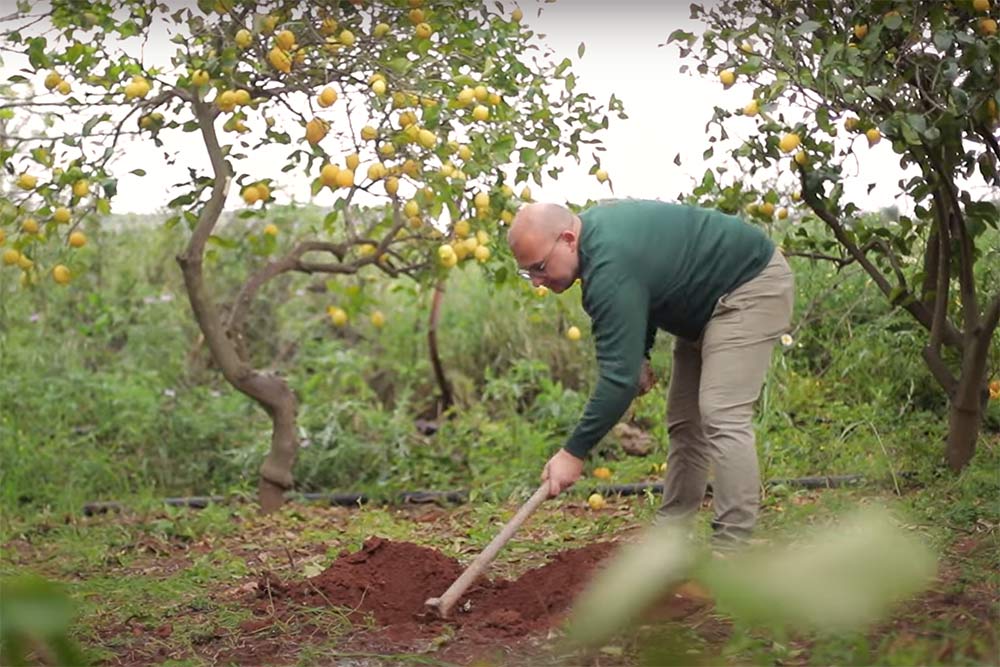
[{"x": 549, "y": 261}]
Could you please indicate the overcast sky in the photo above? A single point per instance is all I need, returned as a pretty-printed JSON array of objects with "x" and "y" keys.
[{"x": 667, "y": 114}]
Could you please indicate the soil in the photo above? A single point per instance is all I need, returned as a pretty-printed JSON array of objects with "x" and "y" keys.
[{"x": 385, "y": 584}]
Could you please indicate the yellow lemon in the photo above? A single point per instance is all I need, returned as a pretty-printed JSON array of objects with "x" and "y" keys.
[
  {"x": 789, "y": 142},
  {"x": 727, "y": 77},
  {"x": 285, "y": 40},
  {"x": 346, "y": 38},
  {"x": 326, "y": 97},
  {"x": 381, "y": 30},
  {"x": 480, "y": 113},
  {"x": 482, "y": 253},
  {"x": 316, "y": 130},
  {"x": 602, "y": 473},
  {"x": 801, "y": 158},
  {"x": 345, "y": 178},
  {"x": 392, "y": 186},
  {"x": 481, "y": 200},
  {"x": 241, "y": 97},
  {"x": 61, "y": 215},
  {"x": 77, "y": 239},
  {"x": 29, "y": 226},
  {"x": 27, "y": 181},
  {"x": 861, "y": 30},
  {"x": 52, "y": 80},
  {"x": 251, "y": 195},
  {"x": 243, "y": 38},
  {"x": 279, "y": 60},
  {"x": 368, "y": 133},
  {"x": 10, "y": 256},
  {"x": 61, "y": 274},
  {"x": 596, "y": 501},
  {"x": 601, "y": 175},
  {"x": 427, "y": 139},
  {"x": 64, "y": 88},
  {"x": 338, "y": 316},
  {"x": 271, "y": 229},
  {"x": 782, "y": 213},
  {"x": 378, "y": 87},
  {"x": 988, "y": 26},
  {"x": 378, "y": 319},
  {"x": 751, "y": 109},
  {"x": 573, "y": 333},
  {"x": 981, "y": 5},
  {"x": 874, "y": 136},
  {"x": 423, "y": 31},
  {"x": 199, "y": 77},
  {"x": 851, "y": 123},
  {"x": 328, "y": 175},
  {"x": 352, "y": 161},
  {"x": 516, "y": 15}
]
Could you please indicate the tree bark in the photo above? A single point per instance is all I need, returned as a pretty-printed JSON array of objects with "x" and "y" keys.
[
  {"x": 270, "y": 391},
  {"x": 446, "y": 396}
]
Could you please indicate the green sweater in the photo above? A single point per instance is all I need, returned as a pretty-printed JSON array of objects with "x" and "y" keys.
[{"x": 647, "y": 265}]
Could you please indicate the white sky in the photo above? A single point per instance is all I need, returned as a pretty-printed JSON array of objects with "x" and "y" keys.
[{"x": 667, "y": 115}]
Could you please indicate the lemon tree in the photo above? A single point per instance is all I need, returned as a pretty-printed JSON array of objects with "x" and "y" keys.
[
  {"x": 830, "y": 82},
  {"x": 422, "y": 112}
]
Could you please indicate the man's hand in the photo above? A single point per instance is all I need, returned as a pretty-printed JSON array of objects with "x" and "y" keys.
[
  {"x": 561, "y": 472},
  {"x": 646, "y": 378}
]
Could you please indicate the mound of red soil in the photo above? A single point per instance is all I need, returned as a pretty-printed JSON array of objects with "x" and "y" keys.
[{"x": 390, "y": 581}]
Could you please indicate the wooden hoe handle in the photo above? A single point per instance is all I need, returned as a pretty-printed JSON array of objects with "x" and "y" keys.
[{"x": 442, "y": 605}]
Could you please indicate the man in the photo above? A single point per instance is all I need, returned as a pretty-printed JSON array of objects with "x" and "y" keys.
[{"x": 716, "y": 283}]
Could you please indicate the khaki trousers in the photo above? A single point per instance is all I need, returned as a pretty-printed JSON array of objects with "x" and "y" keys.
[{"x": 713, "y": 386}]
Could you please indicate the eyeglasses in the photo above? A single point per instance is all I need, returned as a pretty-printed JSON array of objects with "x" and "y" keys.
[{"x": 538, "y": 268}]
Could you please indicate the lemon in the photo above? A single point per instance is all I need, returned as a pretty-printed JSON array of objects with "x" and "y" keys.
[
  {"x": 353, "y": 161},
  {"x": 601, "y": 175},
  {"x": 861, "y": 30},
  {"x": 346, "y": 38},
  {"x": 427, "y": 139},
  {"x": 480, "y": 112},
  {"x": 61, "y": 274},
  {"x": 328, "y": 175},
  {"x": 316, "y": 130},
  {"x": 369, "y": 133},
  {"x": 516, "y": 15},
  {"x": 392, "y": 186},
  {"x": 29, "y": 226},
  {"x": 596, "y": 501},
  {"x": 782, "y": 213},
  {"x": 378, "y": 87},
  {"x": 727, "y": 77},
  {"x": 10, "y": 256},
  {"x": 345, "y": 178},
  {"x": 27, "y": 181},
  {"x": 801, "y": 158},
  {"x": 271, "y": 230},
  {"x": 279, "y": 60},
  {"x": 874, "y": 136},
  {"x": 243, "y": 38},
  {"x": 64, "y": 88},
  {"x": 326, "y": 97},
  {"x": 338, "y": 316},
  {"x": 380, "y": 30},
  {"x": 789, "y": 142},
  {"x": 423, "y": 31},
  {"x": 251, "y": 195},
  {"x": 52, "y": 80},
  {"x": 61, "y": 215},
  {"x": 602, "y": 473},
  {"x": 411, "y": 208},
  {"x": 378, "y": 319},
  {"x": 573, "y": 333},
  {"x": 199, "y": 77},
  {"x": 481, "y": 200},
  {"x": 751, "y": 109},
  {"x": 482, "y": 253},
  {"x": 77, "y": 239},
  {"x": 285, "y": 40}
]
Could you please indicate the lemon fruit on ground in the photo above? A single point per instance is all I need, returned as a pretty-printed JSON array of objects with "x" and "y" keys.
[
  {"x": 596, "y": 501},
  {"x": 573, "y": 333},
  {"x": 77, "y": 239},
  {"x": 602, "y": 472},
  {"x": 61, "y": 274},
  {"x": 337, "y": 315}
]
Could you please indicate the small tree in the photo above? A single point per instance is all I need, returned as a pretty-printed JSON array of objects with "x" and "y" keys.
[
  {"x": 422, "y": 107},
  {"x": 923, "y": 75}
]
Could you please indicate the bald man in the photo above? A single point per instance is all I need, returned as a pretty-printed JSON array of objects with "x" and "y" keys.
[{"x": 719, "y": 286}]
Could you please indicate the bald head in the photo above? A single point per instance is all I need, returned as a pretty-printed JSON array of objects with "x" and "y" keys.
[{"x": 538, "y": 222}]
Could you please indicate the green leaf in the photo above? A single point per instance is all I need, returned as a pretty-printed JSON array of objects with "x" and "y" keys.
[
  {"x": 943, "y": 40},
  {"x": 807, "y": 27},
  {"x": 580, "y": 50}
]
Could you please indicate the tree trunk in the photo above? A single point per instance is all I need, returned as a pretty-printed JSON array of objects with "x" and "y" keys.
[
  {"x": 965, "y": 414},
  {"x": 446, "y": 397}
]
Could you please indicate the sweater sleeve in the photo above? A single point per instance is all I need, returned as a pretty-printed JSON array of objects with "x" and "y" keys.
[{"x": 619, "y": 310}]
